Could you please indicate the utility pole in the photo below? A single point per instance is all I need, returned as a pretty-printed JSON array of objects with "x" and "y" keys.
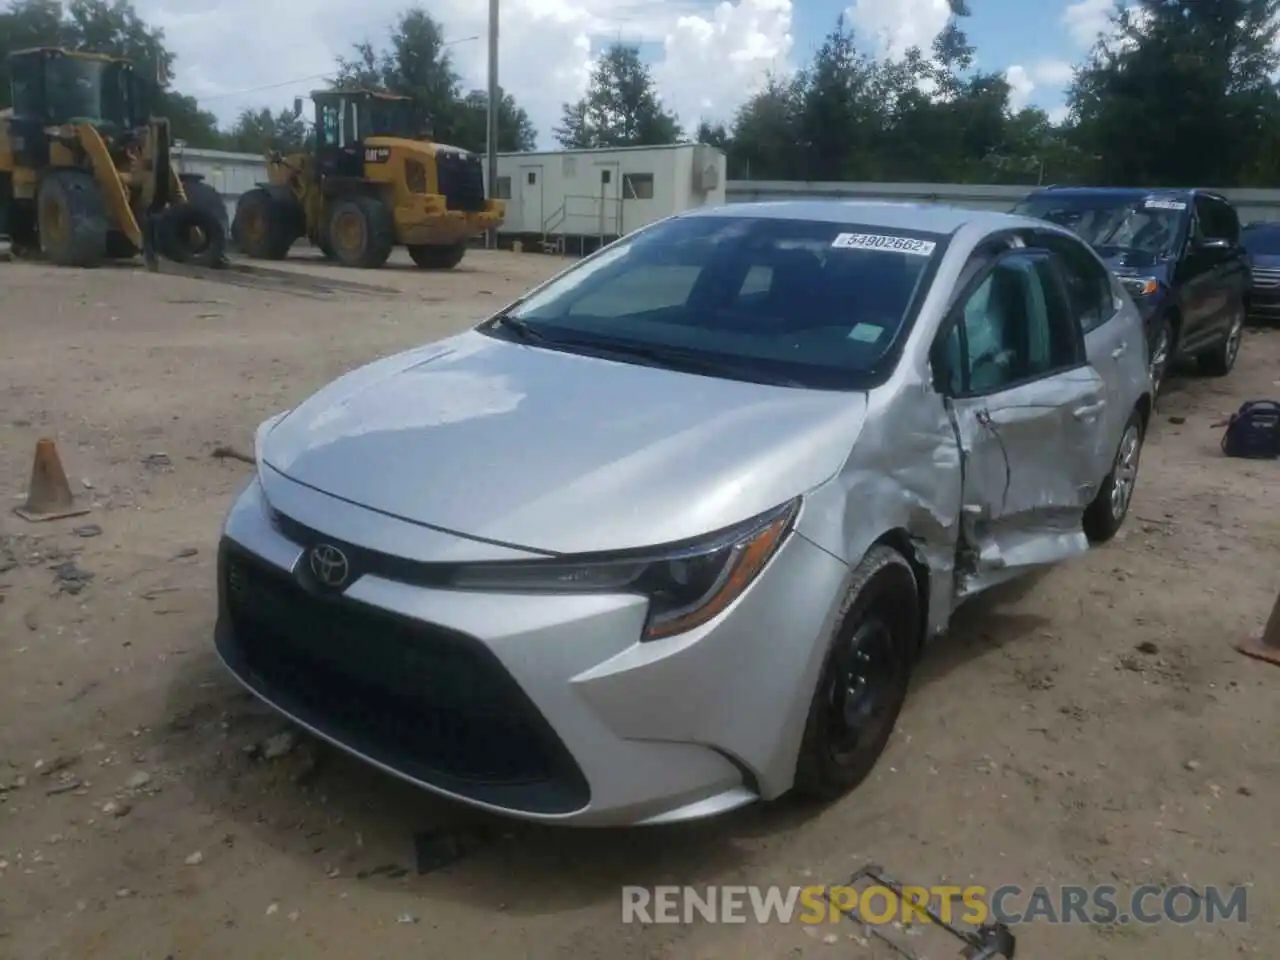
[{"x": 491, "y": 150}]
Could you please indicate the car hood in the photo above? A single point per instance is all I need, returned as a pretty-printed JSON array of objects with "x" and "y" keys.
[
  {"x": 1270, "y": 260},
  {"x": 557, "y": 452}
]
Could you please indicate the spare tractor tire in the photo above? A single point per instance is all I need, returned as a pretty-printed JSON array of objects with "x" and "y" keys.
[
  {"x": 71, "y": 218},
  {"x": 437, "y": 257},
  {"x": 189, "y": 234},
  {"x": 264, "y": 227},
  {"x": 200, "y": 194},
  {"x": 361, "y": 232}
]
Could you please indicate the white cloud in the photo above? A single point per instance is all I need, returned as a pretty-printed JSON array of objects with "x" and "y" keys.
[
  {"x": 1021, "y": 86},
  {"x": 1059, "y": 113},
  {"x": 1025, "y": 80},
  {"x": 713, "y": 55},
  {"x": 1086, "y": 19},
  {"x": 899, "y": 25}
]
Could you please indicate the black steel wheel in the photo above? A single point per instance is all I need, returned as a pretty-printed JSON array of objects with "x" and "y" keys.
[{"x": 864, "y": 679}]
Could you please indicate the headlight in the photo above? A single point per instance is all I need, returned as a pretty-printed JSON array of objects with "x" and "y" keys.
[
  {"x": 1140, "y": 286},
  {"x": 687, "y": 585},
  {"x": 261, "y": 435}
]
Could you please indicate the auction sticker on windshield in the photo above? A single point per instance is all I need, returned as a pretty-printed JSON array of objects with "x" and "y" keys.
[
  {"x": 1154, "y": 203},
  {"x": 873, "y": 241}
]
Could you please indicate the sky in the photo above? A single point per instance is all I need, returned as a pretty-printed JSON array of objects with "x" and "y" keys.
[{"x": 707, "y": 57}]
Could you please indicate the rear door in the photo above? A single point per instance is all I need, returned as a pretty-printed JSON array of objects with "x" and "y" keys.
[
  {"x": 1113, "y": 348},
  {"x": 1027, "y": 409}
]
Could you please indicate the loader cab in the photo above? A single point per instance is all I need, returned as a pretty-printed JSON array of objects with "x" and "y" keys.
[
  {"x": 50, "y": 87},
  {"x": 346, "y": 118},
  {"x": 53, "y": 86}
]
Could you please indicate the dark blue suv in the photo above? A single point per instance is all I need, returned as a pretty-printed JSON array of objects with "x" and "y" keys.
[{"x": 1178, "y": 254}]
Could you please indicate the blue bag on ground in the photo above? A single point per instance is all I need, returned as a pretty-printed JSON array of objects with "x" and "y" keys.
[{"x": 1254, "y": 431}]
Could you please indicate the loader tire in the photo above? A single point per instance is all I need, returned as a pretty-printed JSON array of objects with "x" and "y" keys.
[
  {"x": 120, "y": 247},
  {"x": 200, "y": 194},
  {"x": 436, "y": 257},
  {"x": 71, "y": 218},
  {"x": 191, "y": 234},
  {"x": 263, "y": 227},
  {"x": 361, "y": 232}
]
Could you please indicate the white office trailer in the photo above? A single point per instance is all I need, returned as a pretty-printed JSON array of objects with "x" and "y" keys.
[{"x": 574, "y": 201}]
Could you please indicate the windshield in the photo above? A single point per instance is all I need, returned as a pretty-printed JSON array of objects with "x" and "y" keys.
[
  {"x": 76, "y": 89},
  {"x": 1262, "y": 239},
  {"x": 1148, "y": 225},
  {"x": 814, "y": 304},
  {"x": 388, "y": 118}
]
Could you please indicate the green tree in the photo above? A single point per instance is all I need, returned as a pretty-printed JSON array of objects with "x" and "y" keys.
[
  {"x": 621, "y": 108},
  {"x": 471, "y": 131},
  {"x": 261, "y": 131},
  {"x": 1181, "y": 92},
  {"x": 416, "y": 63},
  {"x": 764, "y": 141}
]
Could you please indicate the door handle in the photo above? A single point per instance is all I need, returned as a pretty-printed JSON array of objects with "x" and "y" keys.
[
  {"x": 1119, "y": 351},
  {"x": 1085, "y": 411}
]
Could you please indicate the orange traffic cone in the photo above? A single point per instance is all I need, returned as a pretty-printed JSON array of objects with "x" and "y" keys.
[
  {"x": 49, "y": 497},
  {"x": 1266, "y": 647}
]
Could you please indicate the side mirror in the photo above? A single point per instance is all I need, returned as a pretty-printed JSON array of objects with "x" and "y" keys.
[
  {"x": 297, "y": 107},
  {"x": 1216, "y": 244}
]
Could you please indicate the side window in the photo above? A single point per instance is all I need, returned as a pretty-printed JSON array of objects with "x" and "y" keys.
[
  {"x": 1016, "y": 326},
  {"x": 1088, "y": 283},
  {"x": 1216, "y": 220},
  {"x": 1227, "y": 222}
]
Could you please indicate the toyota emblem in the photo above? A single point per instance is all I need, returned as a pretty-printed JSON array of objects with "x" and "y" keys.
[{"x": 329, "y": 565}]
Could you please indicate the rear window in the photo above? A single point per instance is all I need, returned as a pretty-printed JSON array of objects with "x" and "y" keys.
[
  {"x": 817, "y": 302},
  {"x": 1262, "y": 238}
]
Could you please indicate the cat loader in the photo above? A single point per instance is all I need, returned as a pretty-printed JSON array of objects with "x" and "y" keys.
[
  {"x": 86, "y": 172},
  {"x": 371, "y": 180}
]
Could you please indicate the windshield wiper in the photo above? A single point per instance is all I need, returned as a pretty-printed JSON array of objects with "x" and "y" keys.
[
  {"x": 519, "y": 327},
  {"x": 686, "y": 361}
]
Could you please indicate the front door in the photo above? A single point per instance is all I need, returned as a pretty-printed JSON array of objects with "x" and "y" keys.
[
  {"x": 531, "y": 213},
  {"x": 1027, "y": 411}
]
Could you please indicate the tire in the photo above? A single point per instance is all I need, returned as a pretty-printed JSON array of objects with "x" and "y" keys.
[
  {"x": 1220, "y": 359},
  {"x": 191, "y": 234},
  {"x": 120, "y": 247},
  {"x": 200, "y": 194},
  {"x": 71, "y": 218},
  {"x": 880, "y": 616},
  {"x": 1161, "y": 341},
  {"x": 361, "y": 232},
  {"x": 436, "y": 257},
  {"x": 325, "y": 248},
  {"x": 263, "y": 227},
  {"x": 1106, "y": 514}
]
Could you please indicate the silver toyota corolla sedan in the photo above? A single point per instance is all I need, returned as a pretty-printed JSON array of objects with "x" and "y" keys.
[{"x": 666, "y": 535}]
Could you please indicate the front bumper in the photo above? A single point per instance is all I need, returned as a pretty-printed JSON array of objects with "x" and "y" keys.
[
  {"x": 541, "y": 707},
  {"x": 427, "y": 219},
  {"x": 1265, "y": 303}
]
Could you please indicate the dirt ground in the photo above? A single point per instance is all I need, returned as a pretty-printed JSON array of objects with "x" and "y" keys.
[{"x": 1094, "y": 726}]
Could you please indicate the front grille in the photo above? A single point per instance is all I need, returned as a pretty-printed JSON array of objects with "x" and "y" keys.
[
  {"x": 1266, "y": 276},
  {"x": 429, "y": 702},
  {"x": 461, "y": 180}
]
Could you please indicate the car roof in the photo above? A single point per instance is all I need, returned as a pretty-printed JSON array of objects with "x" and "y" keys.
[
  {"x": 926, "y": 217},
  {"x": 1134, "y": 193}
]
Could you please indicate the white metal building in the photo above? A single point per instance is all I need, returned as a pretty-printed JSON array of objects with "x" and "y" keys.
[{"x": 584, "y": 197}]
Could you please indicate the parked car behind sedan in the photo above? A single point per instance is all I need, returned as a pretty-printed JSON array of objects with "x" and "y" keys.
[
  {"x": 1178, "y": 254},
  {"x": 1262, "y": 242},
  {"x": 666, "y": 536}
]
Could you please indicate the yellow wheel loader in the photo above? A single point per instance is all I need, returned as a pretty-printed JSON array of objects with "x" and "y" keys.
[
  {"x": 371, "y": 181},
  {"x": 85, "y": 171}
]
